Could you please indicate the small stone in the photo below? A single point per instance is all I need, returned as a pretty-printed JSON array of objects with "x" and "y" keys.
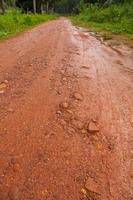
[
  {"x": 83, "y": 131},
  {"x": 3, "y": 85},
  {"x": 63, "y": 122},
  {"x": 10, "y": 110},
  {"x": 16, "y": 167},
  {"x": 70, "y": 112},
  {"x": 14, "y": 160},
  {"x": 62, "y": 71},
  {"x": 64, "y": 79},
  {"x": 78, "y": 96},
  {"x": 64, "y": 105},
  {"x": 6, "y": 81},
  {"x": 92, "y": 186},
  {"x": 92, "y": 127},
  {"x": 67, "y": 162},
  {"x": 2, "y": 92},
  {"x": 14, "y": 193},
  {"x": 84, "y": 191},
  {"x": 58, "y": 112}
]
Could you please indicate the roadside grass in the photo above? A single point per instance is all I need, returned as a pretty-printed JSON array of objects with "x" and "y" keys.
[
  {"x": 14, "y": 21},
  {"x": 115, "y": 19}
]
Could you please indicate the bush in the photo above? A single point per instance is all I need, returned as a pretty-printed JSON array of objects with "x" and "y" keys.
[
  {"x": 14, "y": 21},
  {"x": 115, "y": 18}
]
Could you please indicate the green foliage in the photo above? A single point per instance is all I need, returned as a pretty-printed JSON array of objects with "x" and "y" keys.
[
  {"x": 14, "y": 21},
  {"x": 117, "y": 18},
  {"x": 66, "y": 6}
]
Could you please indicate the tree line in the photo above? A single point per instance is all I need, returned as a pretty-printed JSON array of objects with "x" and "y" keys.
[{"x": 60, "y": 6}]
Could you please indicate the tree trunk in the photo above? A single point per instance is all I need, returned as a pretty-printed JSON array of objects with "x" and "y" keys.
[
  {"x": 14, "y": 3},
  {"x": 47, "y": 9},
  {"x": 2, "y": 5},
  {"x": 34, "y": 6}
]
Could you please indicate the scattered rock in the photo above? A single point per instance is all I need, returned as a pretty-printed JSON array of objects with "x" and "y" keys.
[
  {"x": 15, "y": 164},
  {"x": 16, "y": 167},
  {"x": 14, "y": 193},
  {"x": 92, "y": 186},
  {"x": 64, "y": 105},
  {"x": 92, "y": 127},
  {"x": 70, "y": 112},
  {"x": 58, "y": 112},
  {"x": 6, "y": 81},
  {"x": 83, "y": 131},
  {"x": 64, "y": 79},
  {"x": 2, "y": 92},
  {"x": 78, "y": 96},
  {"x": 3, "y": 85},
  {"x": 10, "y": 110},
  {"x": 63, "y": 122},
  {"x": 84, "y": 192},
  {"x": 14, "y": 160},
  {"x": 62, "y": 71}
]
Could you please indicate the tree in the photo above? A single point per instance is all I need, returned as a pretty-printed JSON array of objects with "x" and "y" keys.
[
  {"x": 34, "y": 6},
  {"x": 2, "y": 5},
  {"x": 14, "y": 3}
]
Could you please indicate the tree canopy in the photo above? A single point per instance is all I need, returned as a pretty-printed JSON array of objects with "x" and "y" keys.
[{"x": 60, "y": 6}]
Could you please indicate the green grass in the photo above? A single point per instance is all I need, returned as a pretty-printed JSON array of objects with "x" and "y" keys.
[
  {"x": 117, "y": 19},
  {"x": 14, "y": 21}
]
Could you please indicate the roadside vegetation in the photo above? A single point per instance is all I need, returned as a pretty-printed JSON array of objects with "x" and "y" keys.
[
  {"x": 14, "y": 21},
  {"x": 115, "y": 18}
]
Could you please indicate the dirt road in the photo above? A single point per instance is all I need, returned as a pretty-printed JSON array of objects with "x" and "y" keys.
[{"x": 66, "y": 116}]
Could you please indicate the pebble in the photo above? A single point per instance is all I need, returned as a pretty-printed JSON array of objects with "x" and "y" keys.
[
  {"x": 78, "y": 96},
  {"x": 16, "y": 167},
  {"x": 10, "y": 110},
  {"x": 92, "y": 186},
  {"x": 92, "y": 127},
  {"x": 70, "y": 112},
  {"x": 63, "y": 122},
  {"x": 58, "y": 112},
  {"x": 2, "y": 92},
  {"x": 62, "y": 71},
  {"x": 3, "y": 85},
  {"x": 14, "y": 160},
  {"x": 84, "y": 191},
  {"x": 64, "y": 105},
  {"x": 64, "y": 79},
  {"x": 6, "y": 81},
  {"x": 83, "y": 131}
]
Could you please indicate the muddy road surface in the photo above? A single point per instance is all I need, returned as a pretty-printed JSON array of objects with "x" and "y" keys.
[{"x": 66, "y": 116}]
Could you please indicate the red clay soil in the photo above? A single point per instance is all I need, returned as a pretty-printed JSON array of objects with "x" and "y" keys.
[{"x": 66, "y": 116}]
